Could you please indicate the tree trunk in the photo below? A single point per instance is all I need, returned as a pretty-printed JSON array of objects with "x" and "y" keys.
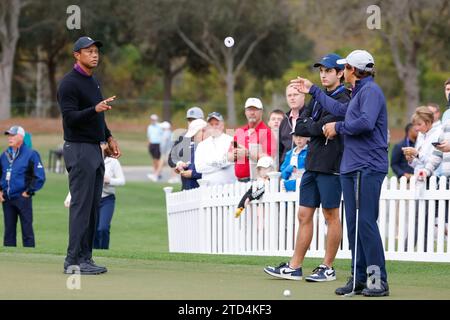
[
  {"x": 5, "y": 87},
  {"x": 230, "y": 81},
  {"x": 53, "y": 105},
  {"x": 411, "y": 87},
  {"x": 42, "y": 85},
  {"x": 9, "y": 29},
  {"x": 167, "y": 100}
]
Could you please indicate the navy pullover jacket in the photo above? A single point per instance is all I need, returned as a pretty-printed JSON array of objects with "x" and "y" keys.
[
  {"x": 77, "y": 97},
  {"x": 365, "y": 126}
]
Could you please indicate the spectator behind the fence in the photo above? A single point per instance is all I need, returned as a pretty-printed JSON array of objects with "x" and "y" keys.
[
  {"x": 251, "y": 142},
  {"x": 211, "y": 154},
  {"x": 434, "y": 107},
  {"x": 264, "y": 166},
  {"x": 187, "y": 170},
  {"x": 275, "y": 118},
  {"x": 293, "y": 165},
  {"x": 166, "y": 146},
  {"x": 296, "y": 102},
  {"x": 27, "y": 140},
  {"x": 446, "y": 115},
  {"x": 166, "y": 140},
  {"x": 181, "y": 148},
  {"x": 22, "y": 175},
  {"x": 418, "y": 155},
  {"x": 154, "y": 136},
  {"x": 398, "y": 161}
]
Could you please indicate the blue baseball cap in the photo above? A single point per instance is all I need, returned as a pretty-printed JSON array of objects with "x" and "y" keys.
[
  {"x": 330, "y": 61},
  {"x": 85, "y": 42}
]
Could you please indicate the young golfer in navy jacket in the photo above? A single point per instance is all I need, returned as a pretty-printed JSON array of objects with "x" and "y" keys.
[{"x": 365, "y": 152}]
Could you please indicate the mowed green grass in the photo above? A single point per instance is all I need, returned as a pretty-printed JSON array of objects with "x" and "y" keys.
[{"x": 140, "y": 266}]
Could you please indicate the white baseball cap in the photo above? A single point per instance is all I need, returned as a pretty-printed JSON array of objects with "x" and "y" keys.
[
  {"x": 165, "y": 125},
  {"x": 15, "y": 130},
  {"x": 253, "y": 102},
  {"x": 359, "y": 59},
  {"x": 194, "y": 127},
  {"x": 265, "y": 162}
]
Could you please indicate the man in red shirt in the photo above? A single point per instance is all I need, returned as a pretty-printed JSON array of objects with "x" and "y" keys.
[{"x": 251, "y": 141}]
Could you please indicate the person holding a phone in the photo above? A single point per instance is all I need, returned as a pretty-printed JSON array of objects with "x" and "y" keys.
[
  {"x": 418, "y": 155},
  {"x": 252, "y": 141},
  {"x": 211, "y": 154},
  {"x": 83, "y": 115}
]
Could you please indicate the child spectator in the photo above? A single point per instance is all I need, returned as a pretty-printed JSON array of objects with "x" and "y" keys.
[{"x": 293, "y": 165}]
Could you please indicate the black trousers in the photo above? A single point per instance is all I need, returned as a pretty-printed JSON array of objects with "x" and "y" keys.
[{"x": 86, "y": 168}]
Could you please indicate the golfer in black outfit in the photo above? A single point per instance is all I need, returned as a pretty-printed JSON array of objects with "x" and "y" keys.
[{"x": 82, "y": 106}]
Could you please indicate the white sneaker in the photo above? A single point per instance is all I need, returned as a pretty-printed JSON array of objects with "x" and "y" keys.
[
  {"x": 152, "y": 177},
  {"x": 321, "y": 274}
]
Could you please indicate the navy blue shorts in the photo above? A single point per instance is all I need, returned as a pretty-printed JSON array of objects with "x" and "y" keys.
[{"x": 317, "y": 188}]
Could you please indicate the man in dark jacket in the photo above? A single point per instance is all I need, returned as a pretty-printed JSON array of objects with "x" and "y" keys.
[
  {"x": 398, "y": 161},
  {"x": 320, "y": 183},
  {"x": 363, "y": 168},
  {"x": 22, "y": 175},
  {"x": 296, "y": 102}
]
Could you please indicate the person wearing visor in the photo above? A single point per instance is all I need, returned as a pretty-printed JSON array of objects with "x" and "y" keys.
[
  {"x": 363, "y": 168},
  {"x": 22, "y": 175}
]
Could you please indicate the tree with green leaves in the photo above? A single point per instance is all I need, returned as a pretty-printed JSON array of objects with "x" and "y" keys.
[{"x": 252, "y": 25}]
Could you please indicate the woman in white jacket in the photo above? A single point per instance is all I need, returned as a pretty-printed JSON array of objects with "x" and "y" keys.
[
  {"x": 211, "y": 154},
  {"x": 113, "y": 177},
  {"x": 419, "y": 155}
]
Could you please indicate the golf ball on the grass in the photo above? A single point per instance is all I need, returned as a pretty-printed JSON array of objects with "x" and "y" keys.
[
  {"x": 229, "y": 42},
  {"x": 286, "y": 293}
]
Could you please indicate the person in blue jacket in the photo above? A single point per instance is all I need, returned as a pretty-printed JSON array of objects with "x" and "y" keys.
[
  {"x": 186, "y": 170},
  {"x": 22, "y": 175},
  {"x": 293, "y": 165},
  {"x": 365, "y": 156}
]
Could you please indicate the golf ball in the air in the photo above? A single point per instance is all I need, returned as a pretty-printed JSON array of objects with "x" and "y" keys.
[
  {"x": 229, "y": 42},
  {"x": 286, "y": 293}
]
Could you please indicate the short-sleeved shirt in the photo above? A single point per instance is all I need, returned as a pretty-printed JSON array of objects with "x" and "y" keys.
[
  {"x": 154, "y": 133},
  {"x": 262, "y": 135}
]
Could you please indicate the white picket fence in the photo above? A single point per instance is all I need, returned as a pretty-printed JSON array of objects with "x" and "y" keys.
[{"x": 202, "y": 221}]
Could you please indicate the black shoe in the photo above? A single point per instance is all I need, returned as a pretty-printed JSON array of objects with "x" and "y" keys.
[
  {"x": 348, "y": 288},
  {"x": 84, "y": 268},
  {"x": 92, "y": 263},
  {"x": 382, "y": 291}
]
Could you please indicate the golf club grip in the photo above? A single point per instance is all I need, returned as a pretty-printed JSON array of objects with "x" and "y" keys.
[{"x": 358, "y": 178}]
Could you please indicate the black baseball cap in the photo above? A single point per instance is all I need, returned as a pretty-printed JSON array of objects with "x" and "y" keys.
[
  {"x": 330, "y": 61},
  {"x": 85, "y": 42}
]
